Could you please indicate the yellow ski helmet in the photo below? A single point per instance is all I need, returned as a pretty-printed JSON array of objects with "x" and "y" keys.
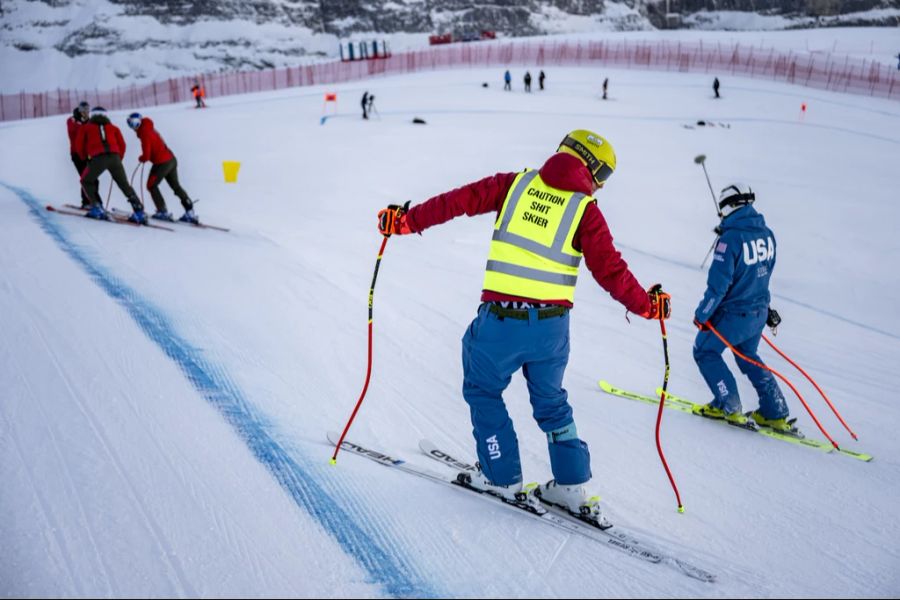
[{"x": 593, "y": 150}]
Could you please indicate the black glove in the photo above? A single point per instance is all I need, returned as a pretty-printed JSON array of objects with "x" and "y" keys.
[{"x": 774, "y": 319}]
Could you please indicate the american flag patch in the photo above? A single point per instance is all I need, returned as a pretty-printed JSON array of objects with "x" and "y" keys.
[{"x": 721, "y": 247}]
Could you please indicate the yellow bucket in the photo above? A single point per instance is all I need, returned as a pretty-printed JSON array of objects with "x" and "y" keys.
[{"x": 231, "y": 170}]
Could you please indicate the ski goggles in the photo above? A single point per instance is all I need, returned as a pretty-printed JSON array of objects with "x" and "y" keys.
[{"x": 600, "y": 171}]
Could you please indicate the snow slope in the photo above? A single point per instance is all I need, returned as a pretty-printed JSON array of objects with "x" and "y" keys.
[{"x": 165, "y": 396}]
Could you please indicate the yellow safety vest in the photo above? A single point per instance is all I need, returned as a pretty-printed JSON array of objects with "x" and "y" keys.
[{"x": 531, "y": 252}]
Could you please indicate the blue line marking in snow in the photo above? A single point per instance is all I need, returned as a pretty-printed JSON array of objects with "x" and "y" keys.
[{"x": 394, "y": 572}]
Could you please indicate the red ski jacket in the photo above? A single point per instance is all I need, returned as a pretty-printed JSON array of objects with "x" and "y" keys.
[
  {"x": 592, "y": 238},
  {"x": 73, "y": 126},
  {"x": 153, "y": 148},
  {"x": 99, "y": 136}
]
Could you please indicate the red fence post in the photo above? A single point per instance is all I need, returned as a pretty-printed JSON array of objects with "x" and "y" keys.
[{"x": 873, "y": 79}]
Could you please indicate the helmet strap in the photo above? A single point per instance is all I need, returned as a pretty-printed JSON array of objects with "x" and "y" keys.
[{"x": 737, "y": 200}]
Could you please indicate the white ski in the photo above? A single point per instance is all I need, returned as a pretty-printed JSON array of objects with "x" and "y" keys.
[
  {"x": 622, "y": 543},
  {"x": 624, "y": 537}
]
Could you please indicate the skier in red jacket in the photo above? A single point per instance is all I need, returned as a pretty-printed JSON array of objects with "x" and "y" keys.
[
  {"x": 80, "y": 116},
  {"x": 546, "y": 221},
  {"x": 165, "y": 166},
  {"x": 101, "y": 144}
]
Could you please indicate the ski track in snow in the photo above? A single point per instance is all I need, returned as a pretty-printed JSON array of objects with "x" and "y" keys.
[
  {"x": 60, "y": 547},
  {"x": 181, "y": 587},
  {"x": 387, "y": 565}
]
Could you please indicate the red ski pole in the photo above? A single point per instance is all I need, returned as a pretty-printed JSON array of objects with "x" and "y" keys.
[
  {"x": 662, "y": 403},
  {"x": 805, "y": 374},
  {"x": 362, "y": 395},
  {"x": 780, "y": 376}
]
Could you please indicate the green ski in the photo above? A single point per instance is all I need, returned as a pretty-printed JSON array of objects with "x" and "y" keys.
[{"x": 684, "y": 405}]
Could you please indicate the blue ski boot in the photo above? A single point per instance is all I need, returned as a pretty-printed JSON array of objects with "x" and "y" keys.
[
  {"x": 163, "y": 215},
  {"x": 97, "y": 212},
  {"x": 139, "y": 217},
  {"x": 189, "y": 217}
]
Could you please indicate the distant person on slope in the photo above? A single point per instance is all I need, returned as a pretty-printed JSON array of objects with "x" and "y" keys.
[
  {"x": 365, "y": 104},
  {"x": 101, "y": 144},
  {"x": 545, "y": 221},
  {"x": 736, "y": 303},
  {"x": 165, "y": 166},
  {"x": 507, "y": 81},
  {"x": 541, "y": 78},
  {"x": 716, "y": 87},
  {"x": 79, "y": 117},
  {"x": 605, "y": 87},
  {"x": 527, "y": 81},
  {"x": 199, "y": 94}
]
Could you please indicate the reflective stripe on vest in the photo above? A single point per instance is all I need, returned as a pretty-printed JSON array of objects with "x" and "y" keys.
[{"x": 531, "y": 253}]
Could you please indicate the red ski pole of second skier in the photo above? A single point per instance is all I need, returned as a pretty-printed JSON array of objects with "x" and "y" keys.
[
  {"x": 777, "y": 374},
  {"x": 812, "y": 381}
]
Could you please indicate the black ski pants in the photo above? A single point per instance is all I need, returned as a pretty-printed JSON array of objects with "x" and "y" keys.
[
  {"x": 111, "y": 162},
  {"x": 169, "y": 172}
]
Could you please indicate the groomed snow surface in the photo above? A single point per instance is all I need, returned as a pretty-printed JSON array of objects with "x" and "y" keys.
[{"x": 165, "y": 396}]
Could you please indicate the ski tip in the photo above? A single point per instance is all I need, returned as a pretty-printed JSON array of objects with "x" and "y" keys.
[
  {"x": 858, "y": 455},
  {"x": 50, "y": 207}
]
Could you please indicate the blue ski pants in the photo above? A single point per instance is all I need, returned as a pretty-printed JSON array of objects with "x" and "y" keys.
[
  {"x": 493, "y": 348},
  {"x": 743, "y": 330}
]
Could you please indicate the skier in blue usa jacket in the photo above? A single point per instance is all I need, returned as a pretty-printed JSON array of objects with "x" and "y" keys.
[{"x": 736, "y": 303}]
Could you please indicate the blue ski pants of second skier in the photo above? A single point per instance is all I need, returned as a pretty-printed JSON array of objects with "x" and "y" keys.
[
  {"x": 743, "y": 331},
  {"x": 494, "y": 348}
]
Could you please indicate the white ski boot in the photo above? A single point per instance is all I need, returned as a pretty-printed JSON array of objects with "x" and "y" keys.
[
  {"x": 574, "y": 499},
  {"x": 523, "y": 497}
]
